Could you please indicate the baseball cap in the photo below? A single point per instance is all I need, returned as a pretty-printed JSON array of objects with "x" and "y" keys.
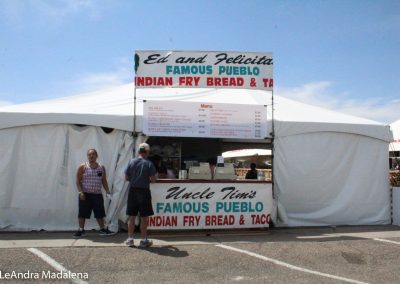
[{"x": 144, "y": 147}]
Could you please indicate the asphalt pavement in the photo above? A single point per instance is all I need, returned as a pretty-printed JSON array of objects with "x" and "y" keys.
[{"x": 357, "y": 254}]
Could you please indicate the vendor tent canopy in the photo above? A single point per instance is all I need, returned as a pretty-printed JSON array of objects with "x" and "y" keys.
[
  {"x": 113, "y": 108},
  {"x": 329, "y": 168}
]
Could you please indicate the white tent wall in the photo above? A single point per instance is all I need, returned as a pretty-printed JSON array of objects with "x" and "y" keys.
[
  {"x": 31, "y": 189},
  {"x": 38, "y": 173},
  {"x": 331, "y": 178},
  {"x": 118, "y": 209}
]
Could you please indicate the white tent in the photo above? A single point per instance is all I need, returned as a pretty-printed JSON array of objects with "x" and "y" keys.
[
  {"x": 395, "y": 145},
  {"x": 329, "y": 168}
]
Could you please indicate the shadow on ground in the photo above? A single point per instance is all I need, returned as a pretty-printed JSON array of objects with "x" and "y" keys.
[{"x": 166, "y": 238}]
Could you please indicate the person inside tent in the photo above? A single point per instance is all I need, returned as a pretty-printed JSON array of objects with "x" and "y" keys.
[
  {"x": 252, "y": 173},
  {"x": 164, "y": 170},
  {"x": 90, "y": 178}
]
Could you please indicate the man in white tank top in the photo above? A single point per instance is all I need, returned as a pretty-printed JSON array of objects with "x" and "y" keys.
[{"x": 90, "y": 178}]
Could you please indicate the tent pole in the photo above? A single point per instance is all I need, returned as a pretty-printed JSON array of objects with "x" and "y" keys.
[
  {"x": 134, "y": 111},
  {"x": 134, "y": 134},
  {"x": 272, "y": 144}
]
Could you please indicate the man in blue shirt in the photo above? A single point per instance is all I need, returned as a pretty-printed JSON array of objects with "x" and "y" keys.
[{"x": 140, "y": 172}]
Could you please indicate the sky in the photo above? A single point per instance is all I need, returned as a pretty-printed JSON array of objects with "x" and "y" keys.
[{"x": 343, "y": 55}]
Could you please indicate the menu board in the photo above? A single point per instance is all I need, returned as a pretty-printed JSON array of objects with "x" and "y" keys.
[{"x": 210, "y": 120}]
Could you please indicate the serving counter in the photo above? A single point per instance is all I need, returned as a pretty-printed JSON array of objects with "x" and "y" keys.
[{"x": 210, "y": 204}]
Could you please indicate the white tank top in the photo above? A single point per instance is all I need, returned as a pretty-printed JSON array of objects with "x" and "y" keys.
[{"x": 92, "y": 179}]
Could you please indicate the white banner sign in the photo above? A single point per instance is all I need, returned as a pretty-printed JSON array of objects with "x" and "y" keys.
[
  {"x": 210, "y": 205},
  {"x": 210, "y": 120},
  {"x": 203, "y": 69}
]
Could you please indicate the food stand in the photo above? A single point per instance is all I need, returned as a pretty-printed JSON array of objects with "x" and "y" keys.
[{"x": 188, "y": 136}]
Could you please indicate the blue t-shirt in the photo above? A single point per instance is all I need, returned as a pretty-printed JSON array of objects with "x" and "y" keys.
[{"x": 139, "y": 171}]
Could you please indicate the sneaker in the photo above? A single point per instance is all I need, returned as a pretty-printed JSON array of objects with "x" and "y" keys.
[
  {"x": 129, "y": 242},
  {"x": 78, "y": 234},
  {"x": 145, "y": 243},
  {"x": 106, "y": 232}
]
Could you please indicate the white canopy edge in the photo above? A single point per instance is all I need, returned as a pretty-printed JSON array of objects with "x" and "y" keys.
[
  {"x": 16, "y": 119},
  {"x": 114, "y": 108},
  {"x": 246, "y": 153}
]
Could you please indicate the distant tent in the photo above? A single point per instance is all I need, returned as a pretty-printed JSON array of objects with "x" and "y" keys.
[
  {"x": 329, "y": 168},
  {"x": 395, "y": 145}
]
